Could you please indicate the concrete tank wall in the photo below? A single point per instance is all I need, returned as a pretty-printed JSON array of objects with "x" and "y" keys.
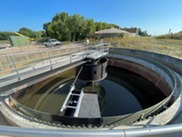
[
  {"x": 145, "y": 72},
  {"x": 171, "y": 62}
]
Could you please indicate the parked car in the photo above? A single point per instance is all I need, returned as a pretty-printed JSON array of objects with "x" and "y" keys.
[{"x": 52, "y": 42}]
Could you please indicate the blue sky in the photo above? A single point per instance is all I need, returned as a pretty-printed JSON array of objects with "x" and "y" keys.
[{"x": 155, "y": 16}]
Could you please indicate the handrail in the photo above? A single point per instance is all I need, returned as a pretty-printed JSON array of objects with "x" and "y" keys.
[
  {"x": 26, "y": 59},
  {"x": 138, "y": 132},
  {"x": 23, "y": 60},
  {"x": 144, "y": 132}
]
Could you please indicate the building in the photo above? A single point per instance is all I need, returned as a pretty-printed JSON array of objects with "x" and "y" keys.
[
  {"x": 133, "y": 31},
  {"x": 113, "y": 32}
]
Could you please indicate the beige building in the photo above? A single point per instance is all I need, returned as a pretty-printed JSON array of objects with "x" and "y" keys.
[{"x": 113, "y": 32}]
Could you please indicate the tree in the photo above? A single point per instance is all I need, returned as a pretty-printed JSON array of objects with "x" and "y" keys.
[
  {"x": 45, "y": 27},
  {"x": 89, "y": 27},
  {"x": 73, "y": 27},
  {"x": 142, "y": 33},
  {"x": 98, "y": 26},
  {"x": 32, "y": 34},
  {"x": 38, "y": 34},
  {"x": 4, "y": 35},
  {"x": 60, "y": 17},
  {"x": 27, "y": 32}
]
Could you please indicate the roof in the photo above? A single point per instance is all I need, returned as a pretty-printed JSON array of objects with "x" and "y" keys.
[
  {"x": 110, "y": 31},
  {"x": 131, "y": 30}
]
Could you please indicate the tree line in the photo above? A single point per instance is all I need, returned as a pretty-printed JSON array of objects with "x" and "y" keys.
[
  {"x": 73, "y": 27},
  {"x": 67, "y": 27},
  {"x": 177, "y": 36},
  {"x": 24, "y": 31}
]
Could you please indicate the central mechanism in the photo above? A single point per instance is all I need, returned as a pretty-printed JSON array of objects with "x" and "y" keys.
[{"x": 84, "y": 102}]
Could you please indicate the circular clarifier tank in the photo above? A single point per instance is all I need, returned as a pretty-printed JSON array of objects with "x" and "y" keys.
[
  {"x": 138, "y": 89},
  {"x": 132, "y": 89},
  {"x": 121, "y": 93}
]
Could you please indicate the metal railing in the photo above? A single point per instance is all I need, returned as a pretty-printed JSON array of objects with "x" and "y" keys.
[
  {"x": 15, "y": 63},
  {"x": 92, "y": 132}
]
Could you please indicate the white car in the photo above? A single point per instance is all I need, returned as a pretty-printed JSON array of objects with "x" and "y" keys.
[{"x": 52, "y": 42}]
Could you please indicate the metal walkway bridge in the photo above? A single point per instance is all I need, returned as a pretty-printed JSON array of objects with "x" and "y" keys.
[{"x": 47, "y": 63}]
